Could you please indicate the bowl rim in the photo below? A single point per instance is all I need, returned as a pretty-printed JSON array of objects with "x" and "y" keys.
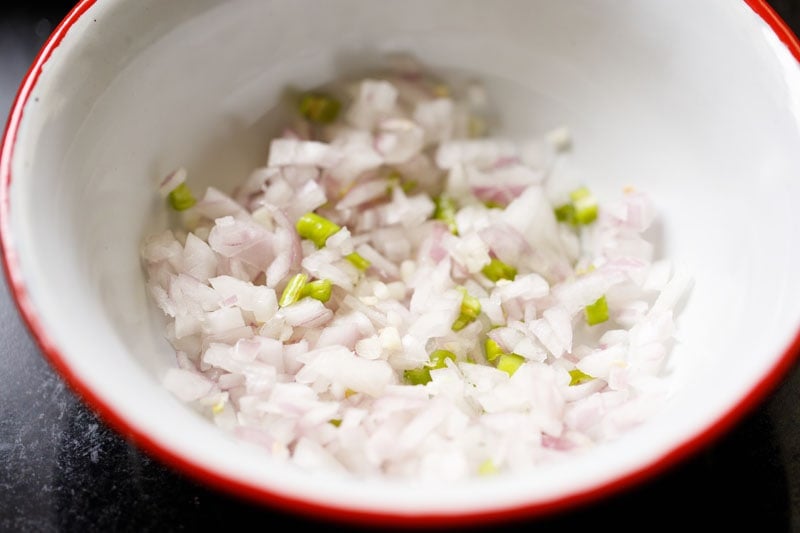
[{"x": 218, "y": 480}]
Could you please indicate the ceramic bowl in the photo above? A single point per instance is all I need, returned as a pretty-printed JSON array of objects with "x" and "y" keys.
[{"x": 697, "y": 103}]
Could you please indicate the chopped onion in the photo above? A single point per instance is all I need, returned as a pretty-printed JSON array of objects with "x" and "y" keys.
[{"x": 392, "y": 296}]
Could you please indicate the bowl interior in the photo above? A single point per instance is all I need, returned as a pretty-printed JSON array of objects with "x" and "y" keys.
[{"x": 697, "y": 104}]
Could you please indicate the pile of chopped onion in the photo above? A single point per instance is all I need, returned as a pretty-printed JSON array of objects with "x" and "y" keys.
[{"x": 395, "y": 293}]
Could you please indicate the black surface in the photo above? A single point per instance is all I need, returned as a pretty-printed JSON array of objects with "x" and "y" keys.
[{"x": 62, "y": 469}]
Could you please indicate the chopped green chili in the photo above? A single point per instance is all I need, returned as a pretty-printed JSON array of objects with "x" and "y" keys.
[
  {"x": 470, "y": 309},
  {"x": 422, "y": 375},
  {"x": 293, "y": 290},
  {"x": 597, "y": 312},
  {"x": 357, "y": 261},
  {"x": 585, "y": 205},
  {"x": 578, "y": 377},
  {"x": 319, "y": 108},
  {"x": 315, "y": 228},
  {"x": 493, "y": 350},
  {"x": 319, "y": 290},
  {"x": 497, "y": 270},
  {"x": 446, "y": 212},
  {"x": 181, "y": 197},
  {"x": 581, "y": 210},
  {"x": 509, "y": 363}
]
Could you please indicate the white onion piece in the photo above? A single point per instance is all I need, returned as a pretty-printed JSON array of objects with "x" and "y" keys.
[
  {"x": 376, "y": 99},
  {"x": 481, "y": 153},
  {"x": 363, "y": 193},
  {"x": 199, "y": 260},
  {"x": 436, "y": 117},
  {"x": 171, "y": 181},
  {"x": 398, "y": 140},
  {"x": 216, "y": 204},
  {"x": 186, "y": 385},
  {"x": 290, "y": 152},
  {"x": 243, "y": 240},
  {"x": 343, "y": 366},
  {"x": 307, "y": 312},
  {"x": 357, "y": 156}
]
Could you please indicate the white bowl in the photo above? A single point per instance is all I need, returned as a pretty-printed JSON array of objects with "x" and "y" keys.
[{"x": 696, "y": 103}]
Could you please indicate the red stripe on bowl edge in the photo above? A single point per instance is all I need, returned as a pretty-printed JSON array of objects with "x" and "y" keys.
[{"x": 281, "y": 502}]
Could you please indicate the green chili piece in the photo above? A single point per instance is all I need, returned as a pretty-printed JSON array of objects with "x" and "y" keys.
[
  {"x": 181, "y": 197},
  {"x": 293, "y": 290}
]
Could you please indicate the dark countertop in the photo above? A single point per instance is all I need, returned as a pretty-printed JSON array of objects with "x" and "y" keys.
[{"x": 63, "y": 469}]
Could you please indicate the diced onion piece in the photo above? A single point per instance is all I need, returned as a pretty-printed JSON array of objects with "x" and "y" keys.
[
  {"x": 292, "y": 152},
  {"x": 187, "y": 385},
  {"x": 172, "y": 181}
]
